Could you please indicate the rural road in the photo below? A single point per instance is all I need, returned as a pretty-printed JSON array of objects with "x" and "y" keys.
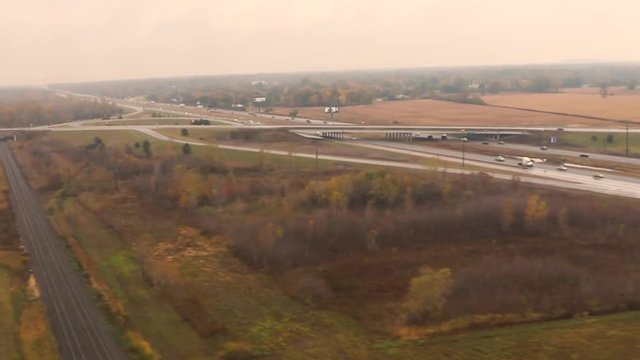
[{"x": 81, "y": 330}]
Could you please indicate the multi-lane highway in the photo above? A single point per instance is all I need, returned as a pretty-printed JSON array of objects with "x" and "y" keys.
[
  {"x": 535, "y": 150},
  {"x": 81, "y": 330},
  {"x": 572, "y": 173},
  {"x": 577, "y": 179},
  {"x": 612, "y": 183}
]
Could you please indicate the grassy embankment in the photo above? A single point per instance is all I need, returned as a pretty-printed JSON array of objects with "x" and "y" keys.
[
  {"x": 607, "y": 143},
  {"x": 142, "y": 121},
  {"x": 284, "y": 141},
  {"x": 24, "y": 329},
  {"x": 603, "y": 337}
]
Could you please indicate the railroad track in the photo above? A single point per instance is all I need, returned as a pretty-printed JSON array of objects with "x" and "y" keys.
[{"x": 81, "y": 330}]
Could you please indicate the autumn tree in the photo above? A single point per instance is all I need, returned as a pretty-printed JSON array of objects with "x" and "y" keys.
[
  {"x": 338, "y": 201},
  {"x": 186, "y": 149},
  {"x": 507, "y": 217},
  {"x": 146, "y": 147},
  {"x": 604, "y": 89},
  {"x": 536, "y": 213},
  {"x": 186, "y": 187},
  {"x": 563, "y": 221},
  {"x": 97, "y": 144},
  {"x": 427, "y": 295},
  {"x": 632, "y": 84}
]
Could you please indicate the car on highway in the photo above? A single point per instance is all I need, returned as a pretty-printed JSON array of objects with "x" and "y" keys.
[
  {"x": 485, "y": 143},
  {"x": 562, "y": 168},
  {"x": 544, "y": 147},
  {"x": 584, "y": 155},
  {"x": 500, "y": 158},
  {"x": 464, "y": 139},
  {"x": 598, "y": 176},
  {"x": 500, "y": 142}
]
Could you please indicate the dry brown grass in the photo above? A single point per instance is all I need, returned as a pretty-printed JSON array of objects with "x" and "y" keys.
[
  {"x": 37, "y": 340},
  {"x": 622, "y": 105},
  {"x": 433, "y": 112}
]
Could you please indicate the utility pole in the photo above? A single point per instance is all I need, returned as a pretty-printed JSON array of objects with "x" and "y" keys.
[
  {"x": 463, "y": 148},
  {"x": 627, "y": 137},
  {"x": 316, "y": 165},
  {"x": 115, "y": 178}
]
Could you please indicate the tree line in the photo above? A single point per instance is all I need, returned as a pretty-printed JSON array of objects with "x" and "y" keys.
[
  {"x": 364, "y": 87},
  {"x": 23, "y": 108}
]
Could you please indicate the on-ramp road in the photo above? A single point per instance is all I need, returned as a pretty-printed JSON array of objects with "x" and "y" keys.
[{"x": 81, "y": 330}]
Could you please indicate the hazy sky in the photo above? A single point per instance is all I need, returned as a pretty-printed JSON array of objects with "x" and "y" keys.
[{"x": 78, "y": 40}]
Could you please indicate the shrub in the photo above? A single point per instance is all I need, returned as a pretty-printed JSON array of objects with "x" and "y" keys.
[
  {"x": 427, "y": 295},
  {"x": 236, "y": 351}
]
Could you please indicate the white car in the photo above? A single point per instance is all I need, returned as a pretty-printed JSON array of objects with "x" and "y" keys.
[
  {"x": 500, "y": 158},
  {"x": 598, "y": 176},
  {"x": 544, "y": 148},
  {"x": 562, "y": 168}
]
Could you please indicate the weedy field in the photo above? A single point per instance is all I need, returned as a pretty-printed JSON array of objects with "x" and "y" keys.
[
  {"x": 603, "y": 337},
  {"x": 222, "y": 254}
]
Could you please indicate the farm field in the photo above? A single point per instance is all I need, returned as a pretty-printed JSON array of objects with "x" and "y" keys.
[
  {"x": 433, "y": 112},
  {"x": 620, "y": 105}
]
